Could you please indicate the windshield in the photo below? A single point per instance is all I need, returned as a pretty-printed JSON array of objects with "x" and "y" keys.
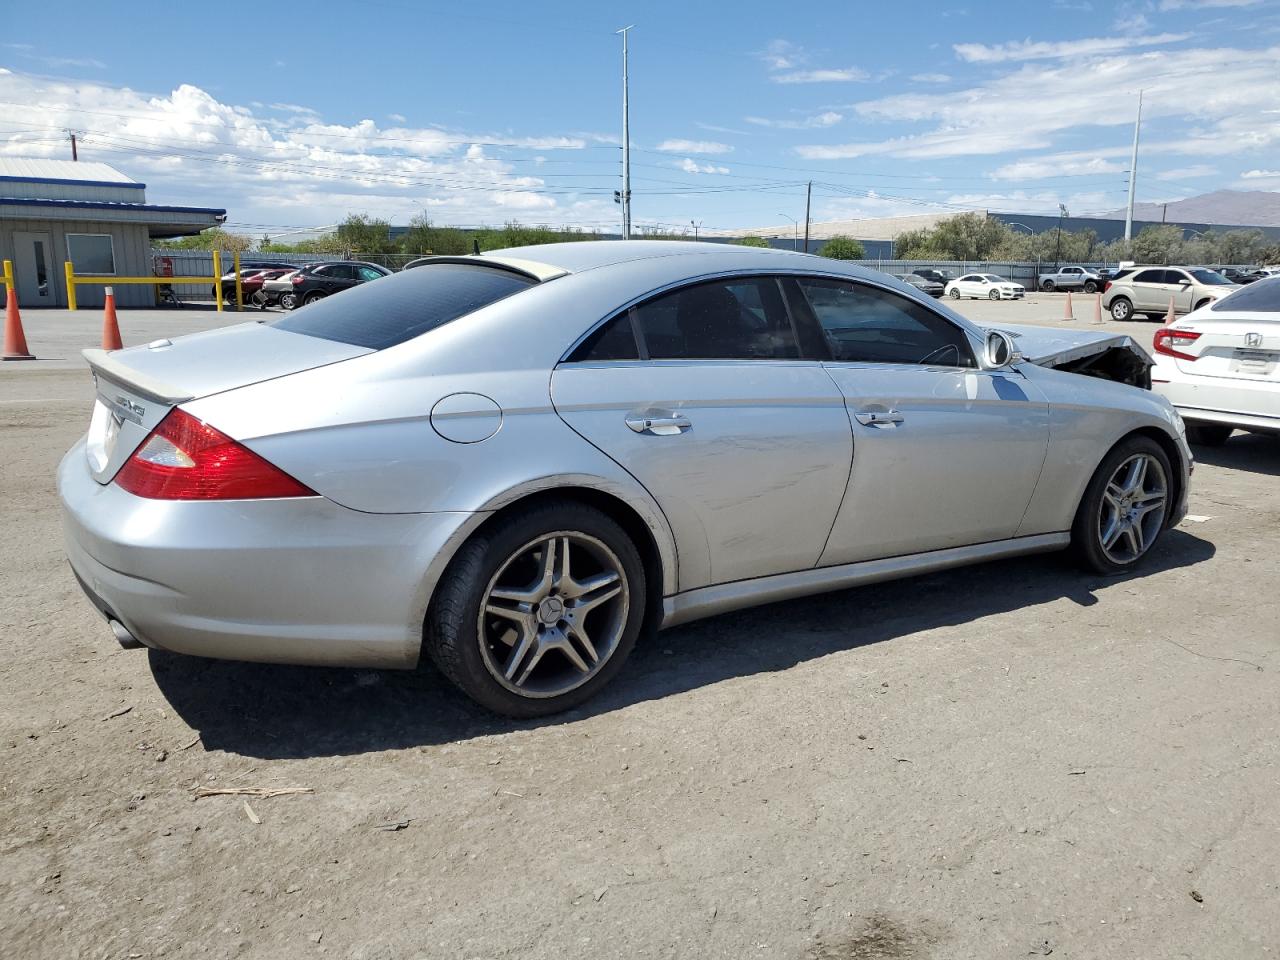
[
  {"x": 404, "y": 305},
  {"x": 1209, "y": 277}
]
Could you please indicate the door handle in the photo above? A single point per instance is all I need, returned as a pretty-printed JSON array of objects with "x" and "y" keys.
[
  {"x": 659, "y": 426},
  {"x": 874, "y": 418}
]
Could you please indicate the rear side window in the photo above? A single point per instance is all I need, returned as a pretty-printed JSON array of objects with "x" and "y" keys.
[
  {"x": 737, "y": 319},
  {"x": 1261, "y": 296},
  {"x": 404, "y": 305},
  {"x": 615, "y": 340}
]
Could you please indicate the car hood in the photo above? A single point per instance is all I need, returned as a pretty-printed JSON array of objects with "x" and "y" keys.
[{"x": 1050, "y": 347}]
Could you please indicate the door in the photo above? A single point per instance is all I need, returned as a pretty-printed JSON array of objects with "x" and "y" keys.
[
  {"x": 1178, "y": 285},
  {"x": 944, "y": 454},
  {"x": 33, "y": 270},
  {"x": 365, "y": 274},
  {"x": 1149, "y": 291},
  {"x": 701, "y": 394}
]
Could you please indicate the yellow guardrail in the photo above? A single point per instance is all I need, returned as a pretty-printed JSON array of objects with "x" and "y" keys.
[
  {"x": 8, "y": 277},
  {"x": 216, "y": 280}
]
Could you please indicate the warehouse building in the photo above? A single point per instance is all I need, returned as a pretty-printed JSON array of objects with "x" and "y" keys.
[{"x": 53, "y": 211}]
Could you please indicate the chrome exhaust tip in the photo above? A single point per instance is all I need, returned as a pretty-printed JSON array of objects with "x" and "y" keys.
[{"x": 126, "y": 639}]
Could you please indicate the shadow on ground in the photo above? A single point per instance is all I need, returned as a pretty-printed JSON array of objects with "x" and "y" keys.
[
  {"x": 291, "y": 712},
  {"x": 1256, "y": 453}
]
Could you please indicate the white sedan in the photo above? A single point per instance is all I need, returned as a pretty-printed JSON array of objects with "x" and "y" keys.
[
  {"x": 985, "y": 286},
  {"x": 1220, "y": 365}
]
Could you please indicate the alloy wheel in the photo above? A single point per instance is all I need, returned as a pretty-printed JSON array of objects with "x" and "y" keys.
[
  {"x": 554, "y": 614},
  {"x": 1132, "y": 508}
]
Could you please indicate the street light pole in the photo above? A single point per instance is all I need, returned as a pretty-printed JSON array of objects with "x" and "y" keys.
[
  {"x": 1133, "y": 181},
  {"x": 795, "y": 242},
  {"x": 626, "y": 142},
  {"x": 1057, "y": 253},
  {"x": 808, "y": 193},
  {"x": 695, "y": 229}
]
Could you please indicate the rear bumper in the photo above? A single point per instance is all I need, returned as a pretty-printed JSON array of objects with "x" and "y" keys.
[
  {"x": 287, "y": 581},
  {"x": 1248, "y": 404}
]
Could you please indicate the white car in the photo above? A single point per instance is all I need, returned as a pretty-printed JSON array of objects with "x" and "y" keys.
[
  {"x": 1220, "y": 365},
  {"x": 985, "y": 286}
]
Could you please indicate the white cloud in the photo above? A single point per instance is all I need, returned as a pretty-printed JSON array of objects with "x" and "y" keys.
[
  {"x": 1059, "y": 165},
  {"x": 930, "y": 78},
  {"x": 1057, "y": 50},
  {"x": 1205, "y": 4},
  {"x": 396, "y": 117},
  {"x": 284, "y": 161},
  {"x": 1187, "y": 173},
  {"x": 827, "y": 119},
  {"x": 844, "y": 75},
  {"x": 694, "y": 146},
  {"x": 782, "y": 55},
  {"x": 1260, "y": 175},
  {"x": 1030, "y": 107},
  {"x": 692, "y": 166}
]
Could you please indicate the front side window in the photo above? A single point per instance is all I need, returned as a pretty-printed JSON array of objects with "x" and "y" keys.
[
  {"x": 1176, "y": 276},
  {"x": 865, "y": 324},
  {"x": 1209, "y": 278},
  {"x": 368, "y": 273},
  {"x": 1150, "y": 276},
  {"x": 735, "y": 319},
  {"x": 91, "y": 253}
]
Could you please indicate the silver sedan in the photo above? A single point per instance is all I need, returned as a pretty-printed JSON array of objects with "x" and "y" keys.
[{"x": 519, "y": 463}]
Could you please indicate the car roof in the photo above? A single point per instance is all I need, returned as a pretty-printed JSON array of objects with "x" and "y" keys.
[{"x": 579, "y": 255}]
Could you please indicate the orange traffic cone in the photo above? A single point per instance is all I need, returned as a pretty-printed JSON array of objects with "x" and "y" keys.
[
  {"x": 110, "y": 326},
  {"x": 1170, "y": 316},
  {"x": 1097, "y": 309},
  {"x": 15, "y": 341},
  {"x": 1067, "y": 312}
]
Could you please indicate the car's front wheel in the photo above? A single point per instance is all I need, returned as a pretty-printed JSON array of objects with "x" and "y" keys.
[
  {"x": 994, "y": 295},
  {"x": 1121, "y": 309},
  {"x": 1124, "y": 507},
  {"x": 955, "y": 293},
  {"x": 539, "y": 611}
]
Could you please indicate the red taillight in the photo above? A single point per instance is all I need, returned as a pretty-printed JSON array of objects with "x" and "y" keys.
[
  {"x": 1106, "y": 286},
  {"x": 184, "y": 459},
  {"x": 297, "y": 278},
  {"x": 1168, "y": 339}
]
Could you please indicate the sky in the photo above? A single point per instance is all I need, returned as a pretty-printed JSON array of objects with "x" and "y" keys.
[{"x": 294, "y": 117}]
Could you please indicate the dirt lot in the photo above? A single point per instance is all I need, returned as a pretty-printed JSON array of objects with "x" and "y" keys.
[{"x": 997, "y": 762}]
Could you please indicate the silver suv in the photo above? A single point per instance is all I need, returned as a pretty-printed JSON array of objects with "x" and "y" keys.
[{"x": 1149, "y": 290}]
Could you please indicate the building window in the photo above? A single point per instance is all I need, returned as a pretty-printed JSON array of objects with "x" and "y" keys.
[{"x": 91, "y": 253}]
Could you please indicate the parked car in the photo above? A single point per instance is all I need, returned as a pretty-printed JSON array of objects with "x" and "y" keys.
[
  {"x": 253, "y": 292},
  {"x": 933, "y": 288},
  {"x": 248, "y": 270},
  {"x": 1070, "y": 278},
  {"x": 279, "y": 290},
  {"x": 1235, "y": 275},
  {"x": 1220, "y": 366},
  {"x": 495, "y": 463},
  {"x": 1148, "y": 290},
  {"x": 937, "y": 276},
  {"x": 1262, "y": 273},
  {"x": 985, "y": 286},
  {"x": 316, "y": 281}
]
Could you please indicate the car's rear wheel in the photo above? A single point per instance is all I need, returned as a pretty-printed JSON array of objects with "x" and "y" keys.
[
  {"x": 1047, "y": 286},
  {"x": 312, "y": 297},
  {"x": 288, "y": 301},
  {"x": 1090, "y": 287},
  {"x": 955, "y": 293},
  {"x": 1124, "y": 507},
  {"x": 538, "y": 612},
  {"x": 994, "y": 295},
  {"x": 1209, "y": 434},
  {"x": 1121, "y": 309}
]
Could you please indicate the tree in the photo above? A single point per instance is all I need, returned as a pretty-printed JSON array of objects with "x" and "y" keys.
[
  {"x": 364, "y": 235},
  {"x": 843, "y": 248},
  {"x": 753, "y": 242},
  {"x": 420, "y": 237},
  {"x": 214, "y": 238}
]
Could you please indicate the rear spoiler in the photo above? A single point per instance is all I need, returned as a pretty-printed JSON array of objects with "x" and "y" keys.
[
  {"x": 526, "y": 268},
  {"x": 106, "y": 367}
]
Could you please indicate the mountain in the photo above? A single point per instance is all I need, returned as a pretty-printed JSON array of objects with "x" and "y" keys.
[{"x": 1259, "y": 208}]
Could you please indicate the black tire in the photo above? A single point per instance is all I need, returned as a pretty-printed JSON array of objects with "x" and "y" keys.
[
  {"x": 1203, "y": 303},
  {"x": 312, "y": 297},
  {"x": 1209, "y": 434},
  {"x": 955, "y": 293},
  {"x": 1121, "y": 309},
  {"x": 1047, "y": 286},
  {"x": 452, "y": 631},
  {"x": 994, "y": 295},
  {"x": 288, "y": 301},
  {"x": 1086, "y": 541},
  {"x": 1090, "y": 287}
]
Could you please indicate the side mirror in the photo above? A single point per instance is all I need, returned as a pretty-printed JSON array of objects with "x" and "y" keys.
[{"x": 1000, "y": 350}]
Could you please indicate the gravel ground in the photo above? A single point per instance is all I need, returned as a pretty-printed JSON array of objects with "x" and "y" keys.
[{"x": 1000, "y": 761}]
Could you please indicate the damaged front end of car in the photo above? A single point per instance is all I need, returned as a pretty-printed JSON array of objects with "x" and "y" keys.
[{"x": 1105, "y": 356}]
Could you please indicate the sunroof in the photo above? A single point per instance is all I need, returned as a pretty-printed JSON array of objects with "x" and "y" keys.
[{"x": 1262, "y": 296}]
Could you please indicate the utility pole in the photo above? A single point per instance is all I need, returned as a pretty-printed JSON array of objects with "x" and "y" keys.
[
  {"x": 1133, "y": 181},
  {"x": 626, "y": 143},
  {"x": 1057, "y": 253},
  {"x": 75, "y": 155},
  {"x": 695, "y": 229},
  {"x": 808, "y": 192}
]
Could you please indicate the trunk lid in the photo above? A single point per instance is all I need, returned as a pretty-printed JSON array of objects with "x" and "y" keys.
[
  {"x": 137, "y": 387},
  {"x": 1235, "y": 349}
]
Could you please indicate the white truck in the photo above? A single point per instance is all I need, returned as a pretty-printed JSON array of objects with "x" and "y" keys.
[{"x": 1070, "y": 278}]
